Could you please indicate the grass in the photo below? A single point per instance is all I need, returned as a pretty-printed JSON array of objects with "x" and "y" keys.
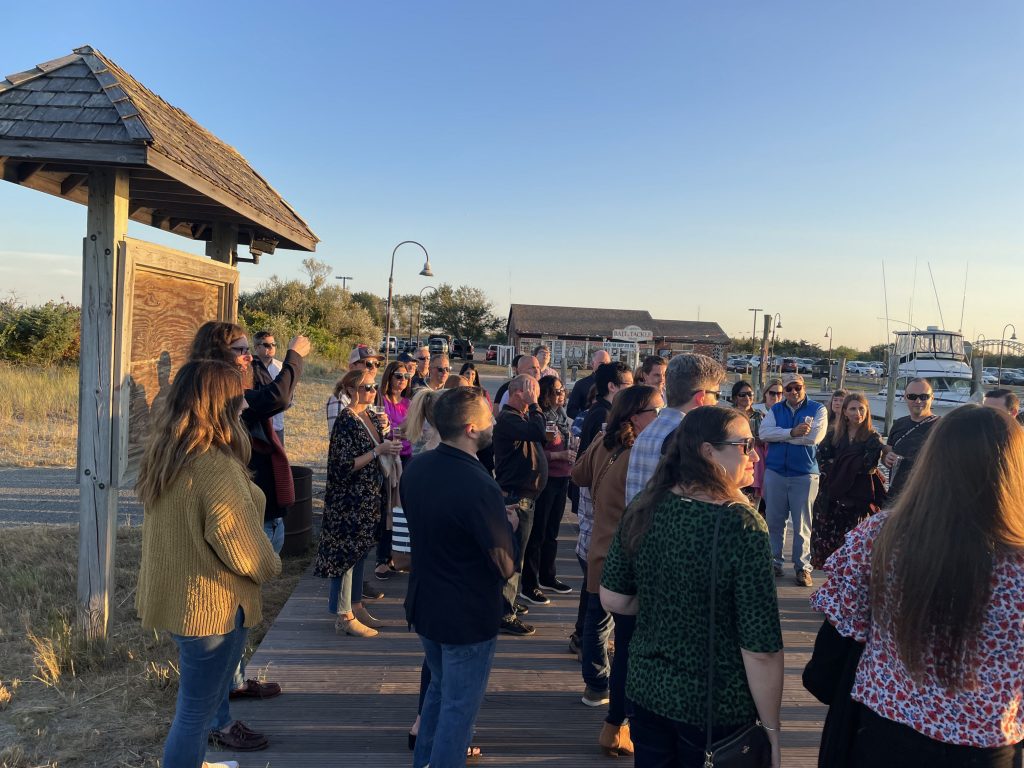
[
  {"x": 63, "y": 703},
  {"x": 38, "y": 416}
]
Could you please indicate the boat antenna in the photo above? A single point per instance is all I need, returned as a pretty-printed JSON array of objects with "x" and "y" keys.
[
  {"x": 936, "y": 290},
  {"x": 913, "y": 290},
  {"x": 963, "y": 304},
  {"x": 885, "y": 294}
]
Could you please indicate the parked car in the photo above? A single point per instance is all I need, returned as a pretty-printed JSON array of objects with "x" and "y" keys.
[
  {"x": 411, "y": 346},
  {"x": 822, "y": 369},
  {"x": 804, "y": 365},
  {"x": 492, "y": 353},
  {"x": 392, "y": 344},
  {"x": 789, "y": 365},
  {"x": 858, "y": 368},
  {"x": 439, "y": 345},
  {"x": 1011, "y": 376},
  {"x": 462, "y": 348}
]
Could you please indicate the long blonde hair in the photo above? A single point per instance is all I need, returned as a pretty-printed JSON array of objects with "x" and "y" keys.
[
  {"x": 199, "y": 414},
  {"x": 421, "y": 410}
]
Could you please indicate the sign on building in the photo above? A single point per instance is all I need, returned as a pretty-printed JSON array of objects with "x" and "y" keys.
[{"x": 632, "y": 333}]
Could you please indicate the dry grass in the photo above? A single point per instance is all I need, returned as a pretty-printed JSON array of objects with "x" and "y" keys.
[
  {"x": 38, "y": 416},
  {"x": 63, "y": 703}
]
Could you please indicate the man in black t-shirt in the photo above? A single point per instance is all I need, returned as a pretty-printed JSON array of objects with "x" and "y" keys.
[
  {"x": 907, "y": 436},
  {"x": 609, "y": 379}
]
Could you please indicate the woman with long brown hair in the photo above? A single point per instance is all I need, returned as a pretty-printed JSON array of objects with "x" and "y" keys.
[
  {"x": 933, "y": 587},
  {"x": 690, "y": 531},
  {"x": 204, "y": 553},
  {"x": 602, "y": 470},
  {"x": 850, "y": 487}
]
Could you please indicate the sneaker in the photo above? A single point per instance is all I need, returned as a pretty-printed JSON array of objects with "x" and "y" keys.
[
  {"x": 803, "y": 579},
  {"x": 238, "y": 738},
  {"x": 575, "y": 648},
  {"x": 594, "y": 698},
  {"x": 520, "y": 609},
  {"x": 557, "y": 586},
  {"x": 777, "y": 569},
  {"x": 382, "y": 573},
  {"x": 371, "y": 592},
  {"x": 516, "y": 627},
  {"x": 534, "y": 596},
  {"x": 221, "y": 764},
  {"x": 254, "y": 689}
]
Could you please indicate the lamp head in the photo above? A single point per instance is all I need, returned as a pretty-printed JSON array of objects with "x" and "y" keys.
[{"x": 426, "y": 271}]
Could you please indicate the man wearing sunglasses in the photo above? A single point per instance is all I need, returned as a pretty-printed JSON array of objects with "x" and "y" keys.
[
  {"x": 907, "y": 435},
  {"x": 265, "y": 348},
  {"x": 794, "y": 427},
  {"x": 422, "y": 373},
  {"x": 440, "y": 368}
]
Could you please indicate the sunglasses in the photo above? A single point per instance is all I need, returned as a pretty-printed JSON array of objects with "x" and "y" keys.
[
  {"x": 924, "y": 397},
  {"x": 267, "y": 345},
  {"x": 774, "y": 392},
  {"x": 746, "y": 444},
  {"x": 370, "y": 364},
  {"x": 708, "y": 392},
  {"x": 444, "y": 369},
  {"x": 649, "y": 410},
  {"x": 745, "y": 394},
  {"x": 398, "y": 375},
  {"x": 794, "y": 388},
  {"x": 367, "y": 387},
  {"x": 423, "y": 359},
  {"x": 559, "y": 391},
  {"x": 241, "y": 350}
]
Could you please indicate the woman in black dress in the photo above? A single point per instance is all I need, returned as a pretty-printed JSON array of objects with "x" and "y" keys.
[{"x": 848, "y": 460}]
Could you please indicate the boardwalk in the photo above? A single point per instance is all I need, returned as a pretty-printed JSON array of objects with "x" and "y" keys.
[{"x": 350, "y": 702}]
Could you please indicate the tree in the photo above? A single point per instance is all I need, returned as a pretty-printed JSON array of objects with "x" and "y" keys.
[
  {"x": 848, "y": 352},
  {"x": 462, "y": 312}
]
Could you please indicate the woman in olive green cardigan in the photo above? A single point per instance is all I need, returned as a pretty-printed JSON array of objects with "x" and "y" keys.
[{"x": 204, "y": 553}]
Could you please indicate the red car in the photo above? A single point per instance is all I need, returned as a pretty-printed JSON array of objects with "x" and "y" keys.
[
  {"x": 789, "y": 365},
  {"x": 492, "y": 353}
]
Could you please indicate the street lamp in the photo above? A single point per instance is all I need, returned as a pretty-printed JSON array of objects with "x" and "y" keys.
[
  {"x": 419, "y": 311},
  {"x": 426, "y": 272},
  {"x": 1013, "y": 337},
  {"x": 974, "y": 346},
  {"x": 776, "y": 323},
  {"x": 828, "y": 335},
  {"x": 344, "y": 281},
  {"x": 753, "y": 336}
]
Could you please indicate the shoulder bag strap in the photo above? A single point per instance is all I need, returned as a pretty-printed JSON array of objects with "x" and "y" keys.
[
  {"x": 597, "y": 480},
  {"x": 711, "y": 638}
]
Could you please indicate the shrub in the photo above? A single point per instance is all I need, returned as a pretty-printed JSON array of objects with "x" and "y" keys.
[{"x": 45, "y": 335}]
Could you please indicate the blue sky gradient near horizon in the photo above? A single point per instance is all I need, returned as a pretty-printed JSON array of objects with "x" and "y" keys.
[{"x": 685, "y": 158}]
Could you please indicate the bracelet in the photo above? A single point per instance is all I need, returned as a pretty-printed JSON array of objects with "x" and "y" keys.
[{"x": 773, "y": 730}]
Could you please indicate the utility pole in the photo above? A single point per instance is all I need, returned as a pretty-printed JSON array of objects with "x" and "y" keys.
[
  {"x": 344, "y": 281},
  {"x": 753, "y": 334}
]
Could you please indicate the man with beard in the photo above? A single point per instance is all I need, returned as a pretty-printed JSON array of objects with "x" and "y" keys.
[
  {"x": 907, "y": 434},
  {"x": 463, "y": 551}
]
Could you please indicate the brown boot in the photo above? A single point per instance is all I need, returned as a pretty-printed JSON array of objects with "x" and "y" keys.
[
  {"x": 353, "y": 627},
  {"x": 614, "y": 740},
  {"x": 365, "y": 618}
]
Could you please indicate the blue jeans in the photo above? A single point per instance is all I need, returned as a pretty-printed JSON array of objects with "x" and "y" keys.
[
  {"x": 618, "y": 707},
  {"x": 275, "y": 532},
  {"x": 458, "y": 680},
  {"x": 790, "y": 498},
  {"x": 597, "y": 626},
  {"x": 339, "y": 599},
  {"x": 206, "y": 664},
  {"x": 511, "y": 589},
  {"x": 663, "y": 743}
]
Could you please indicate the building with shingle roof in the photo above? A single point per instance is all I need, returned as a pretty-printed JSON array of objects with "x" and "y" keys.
[{"x": 580, "y": 330}]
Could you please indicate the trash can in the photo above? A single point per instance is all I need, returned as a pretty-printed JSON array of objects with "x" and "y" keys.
[{"x": 298, "y": 524}]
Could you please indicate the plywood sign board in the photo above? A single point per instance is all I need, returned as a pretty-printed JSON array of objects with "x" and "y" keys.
[{"x": 166, "y": 296}]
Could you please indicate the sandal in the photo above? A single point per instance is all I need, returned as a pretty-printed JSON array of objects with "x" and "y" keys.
[{"x": 474, "y": 753}]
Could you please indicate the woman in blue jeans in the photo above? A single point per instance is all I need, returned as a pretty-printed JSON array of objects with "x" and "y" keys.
[{"x": 204, "y": 553}]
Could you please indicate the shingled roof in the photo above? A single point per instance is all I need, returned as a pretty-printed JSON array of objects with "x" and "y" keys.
[
  {"x": 66, "y": 115},
  {"x": 592, "y": 322}
]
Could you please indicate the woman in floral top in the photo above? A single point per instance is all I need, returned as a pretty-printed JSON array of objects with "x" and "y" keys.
[
  {"x": 935, "y": 588},
  {"x": 659, "y": 568}
]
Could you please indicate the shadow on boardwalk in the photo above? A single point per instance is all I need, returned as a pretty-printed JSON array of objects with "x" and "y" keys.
[{"x": 350, "y": 702}]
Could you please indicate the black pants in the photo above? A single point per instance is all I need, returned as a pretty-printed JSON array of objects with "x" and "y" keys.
[
  {"x": 882, "y": 743},
  {"x": 542, "y": 546},
  {"x": 663, "y": 743}
]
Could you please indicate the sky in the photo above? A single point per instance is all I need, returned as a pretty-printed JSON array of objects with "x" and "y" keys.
[{"x": 693, "y": 159}]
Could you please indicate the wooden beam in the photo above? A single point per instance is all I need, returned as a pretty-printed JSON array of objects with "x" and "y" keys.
[
  {"x": 80, "y": 151},
  {"x": 97, "y": 448},
  {"x": 72, "y": 182},
  {"x": 27, "y": 170},
  {"x": 223, "y": 246}
]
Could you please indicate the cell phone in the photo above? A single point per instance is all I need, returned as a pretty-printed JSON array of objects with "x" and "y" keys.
[{"x": 808, "y": 420}]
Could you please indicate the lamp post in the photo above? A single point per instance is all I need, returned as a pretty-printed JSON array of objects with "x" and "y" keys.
[
  {"x": 974, "y": 346},
  {"x": 426, "y": 272},
  {"x": 1013, "y": 337},
  {"x": 344, "y": 281},
  {"x": 419, "y": 310},
  {"x": 776, "y": 323},
  {"x": 828, "y": 335},
  {"x": 753, "y": 335}
]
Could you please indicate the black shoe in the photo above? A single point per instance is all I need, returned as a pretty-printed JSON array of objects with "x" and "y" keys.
[
  {"x": 516, "y": 627},
  {"x": 371, "y": 592},
  {"x": 777, "y": 569},
  {"x": 557, "y": 586},
  {"x": 534, "y": 596},
  {"x": 520, "y": 609}
]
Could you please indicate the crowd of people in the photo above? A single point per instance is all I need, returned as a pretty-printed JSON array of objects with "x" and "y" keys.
[{"x": 683, "y": 505}]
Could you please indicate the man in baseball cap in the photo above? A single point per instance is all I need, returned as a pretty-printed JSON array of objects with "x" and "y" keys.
[{"x": 360, "y": 356}]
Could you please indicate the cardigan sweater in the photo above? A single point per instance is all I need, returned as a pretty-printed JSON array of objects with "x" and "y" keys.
[
  {"x": 204, "y": 552},
  {"x": 597, "y": 467}
]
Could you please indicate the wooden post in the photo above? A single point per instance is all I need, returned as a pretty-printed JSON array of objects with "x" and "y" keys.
[
  {"x": 223, "y": 246},
  {"x": 97, "y": 447}
]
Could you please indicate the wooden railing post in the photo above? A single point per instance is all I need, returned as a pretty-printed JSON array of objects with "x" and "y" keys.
[{"x": 97, "y": 448}]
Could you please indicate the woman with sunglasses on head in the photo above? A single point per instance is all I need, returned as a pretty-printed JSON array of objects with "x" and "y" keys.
[
  {"x": 850, "y": 489},
  {"x": 602, "y": 470},
  {"x": 353, "y": 499},
  {"x": 930, "y": 588},
  {"x": 743, "y": 401},
  {"x": 689, "y": 535},
  {"x": 204, "y": 553}
]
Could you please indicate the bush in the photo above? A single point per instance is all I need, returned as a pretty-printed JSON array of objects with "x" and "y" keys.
[{"x": 41, "y": 335}]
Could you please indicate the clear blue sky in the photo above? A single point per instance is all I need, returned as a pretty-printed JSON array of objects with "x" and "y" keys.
[{"x": 679, "y": 157}]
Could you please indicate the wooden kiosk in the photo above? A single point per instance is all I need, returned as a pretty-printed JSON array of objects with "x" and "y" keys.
[{"x": 83, "y": 129}]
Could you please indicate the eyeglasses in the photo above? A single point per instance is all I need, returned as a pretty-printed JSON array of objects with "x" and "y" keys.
[
  {"x": 443, "y": 369},
  {"x": 267, "y": 345},
  {"x": 745, "y": 394},
  {"x": 774, "y": 392},
  {"x": 923, "y": 397},
  {"x": 367, "y": 387},
  {"x": 650, "y": 410},
  {"x": 746, "y": 444},
  {"x": 707, "y": 393},
  {"x": 241, "y": 350},
  {"x": 423, "y": 359},
  {"x": 558, "y": 391},
  {"x": 398, "y": 375},
  {"x": 371, "y": 365},
  {"x": 795, "y": 388}
]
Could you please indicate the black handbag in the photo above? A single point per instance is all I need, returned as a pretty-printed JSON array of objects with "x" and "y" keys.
[{"x": 749, "y": 747}]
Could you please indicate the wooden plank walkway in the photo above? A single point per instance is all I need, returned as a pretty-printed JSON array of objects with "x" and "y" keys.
[{"x": 350, "y": 701}]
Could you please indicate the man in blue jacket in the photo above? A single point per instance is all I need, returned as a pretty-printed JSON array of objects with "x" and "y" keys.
[{"x": 793, "y": 428}]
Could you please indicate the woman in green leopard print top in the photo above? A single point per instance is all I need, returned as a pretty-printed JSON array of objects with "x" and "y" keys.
[{"x": 659, "y": 568}]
